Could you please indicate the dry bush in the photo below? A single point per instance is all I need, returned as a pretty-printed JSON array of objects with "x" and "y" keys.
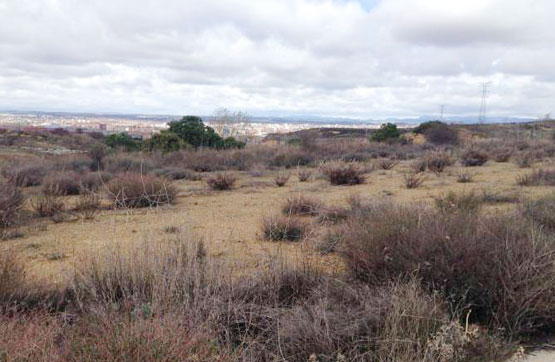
[
  {"x": 343, "y": 173},
  {"x": 442, "y": 134},
  {"x": 330, "y": 240},
  {"x": 498, "y": 268},
  {"x": 68, "y": 183},
  {"x": 413, "y": 180},
  {"x": 465, "y": 202},
  {"x": 304, "y": 175},
  {"x": 437, "y": 161},
  {"x": 387, "y": 164},
  {"x": 88, "y": 205},
  {"x": 541, "y": 211},
  {"x": 135, "y": 190},
  {"x": 221, "y": 181},
  {"x": 301, "y": 205},
  {"x": 473, "y": 157},
  {"x": 174, "y": 173},
  {"x": 11, "y": 202},
  {"x": 281, "y": 179},
  {"x": 48, "y": 204},
  {"x": 291, "y": 157},
  {"x": 539, "y": 177},
  {"x": 121, "y": 162},
  {"x": 93, "y": 181},
  {"x": 333, "y": 215},
  {"x": 283, "y": 228},
  {"x": 419, "y": 166},
  {"x": 12, "y": 276},
  {"x": 25, "y": 173},
  {"x": 502, "y": 155},
  {"x": 464, "y": 177},
  {"x": 524, "y": 159}
]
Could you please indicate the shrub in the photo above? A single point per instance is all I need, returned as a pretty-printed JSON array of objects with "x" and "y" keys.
[
  {"x": 68, "y": 183},
  {"x": 221, "y": 181},
  {"x": 464, "y": 177},
  {"x": 333, "y": 215},
  {"x": 12, "y": 276},
  {"x": 301, "y": 205},
  {"x": 343, "y": 173},
  {"x": 164, "y": 141},
  {"x": 387, "y": 164},
  {"x": 93, "y": 180},
  {"x": 281, "y": 179},
  {"x": 387, "y": 131},
  {"x": 502, "y": 155},
  {"x": 473, "y": 157},
  {"x": 419, "y": 166},
  {"x": 283, "y": 228},
  {"x": 540, "y": 177},
  {"x": 48, "y": 204},
  {"x": 97, "y": 153},
  {"x": 304, "y": 175},
  {"x": 424, "y": 126},
  {"x": 11, "y": 202},
  {"x": 25, "y": 173},
  {"x": 541, "y": 211},
  {"x": 524, "y": 159},
  {"x": 135, "y": 190},
  {"x": 498, "y": 268},
  {"x": 122, "y": 141},
  {"x": 174, "y": 173},
  {"x": 441, "y": 134},
  {"x": 438, "y": 161},
  {"x": 413, "y": 180},
  {"x": 466, "y": 202},
  {"x": 88, "y": 205},
  {"x": 291, "y": 158},
  {"x": 193, "y": 131}
]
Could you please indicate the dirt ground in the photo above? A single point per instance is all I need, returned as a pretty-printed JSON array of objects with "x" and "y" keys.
[{"x": 229, "y": 221}]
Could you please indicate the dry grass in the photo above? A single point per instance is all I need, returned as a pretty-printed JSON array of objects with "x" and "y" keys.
[
  {"x": 48, "y": 204},
  {"x": 304, "y": 175},
  {"x": 221, "y": 182},
  {"x": 344, "y": 173},
  {"x": 11, "y": 202},
  {"x": 301, "y": 205},
  {"x": 132, "y": 190},
  {"x": 413, "y": 180},
  {"x": 281, "y": 179},
  {"x": 539, "y": 177}
]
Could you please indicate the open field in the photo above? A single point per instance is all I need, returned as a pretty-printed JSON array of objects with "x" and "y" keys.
[{"x": 303, "y": 248}]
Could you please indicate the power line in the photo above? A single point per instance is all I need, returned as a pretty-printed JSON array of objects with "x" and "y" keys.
[{"x": 484, "y": 105}]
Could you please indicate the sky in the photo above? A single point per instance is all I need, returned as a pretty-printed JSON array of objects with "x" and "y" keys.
[{"x": 365, "y": 59}]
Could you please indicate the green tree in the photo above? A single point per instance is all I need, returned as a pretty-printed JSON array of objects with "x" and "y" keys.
[
  {"x": 230, "y": 142},
  {"x": 122, "y": 140},
  {"x": 164, "y": 141},
  {"x": 386, "y": 132},
  {"x": 192, "y": 130},
  {"x": 424, "y": 126}
]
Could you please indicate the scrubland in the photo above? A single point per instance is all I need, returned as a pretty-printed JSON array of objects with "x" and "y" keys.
[{"x": 434, "y": 247}]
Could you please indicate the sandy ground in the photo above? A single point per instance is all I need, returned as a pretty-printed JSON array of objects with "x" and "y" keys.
[{"x": 229, "y": 221}]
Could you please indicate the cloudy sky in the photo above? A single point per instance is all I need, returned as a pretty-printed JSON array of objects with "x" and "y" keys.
[{"x": 349, "y": 58}]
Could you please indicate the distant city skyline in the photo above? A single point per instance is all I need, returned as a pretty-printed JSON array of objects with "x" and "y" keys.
[{"x": 358, "y": 59}]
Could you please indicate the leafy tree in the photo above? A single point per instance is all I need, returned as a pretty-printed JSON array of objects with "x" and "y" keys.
[
  {"x": 423, "y": 127},
  {"x": 386, "y": 132},
  {"x": 442, "y": 134},
  {"x": 164, "y": 141},
  {"x": 193, "y": 131},
  {"x": 122, "y": 140},
  {"x": 230, "y": 142}
]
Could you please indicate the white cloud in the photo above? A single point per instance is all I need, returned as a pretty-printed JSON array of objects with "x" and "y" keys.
[{"x": 363, "y": 59}]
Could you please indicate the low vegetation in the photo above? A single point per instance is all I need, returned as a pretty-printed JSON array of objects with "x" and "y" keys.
[
  {"x": 221, "y": 182},
  {"x": 344, "y": 173},
  {"x": 132, "y": 190},
  {"x": 283, "y": 228}
]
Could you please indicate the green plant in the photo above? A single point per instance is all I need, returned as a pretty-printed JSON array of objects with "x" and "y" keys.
[{"x": 387, "y": 131}]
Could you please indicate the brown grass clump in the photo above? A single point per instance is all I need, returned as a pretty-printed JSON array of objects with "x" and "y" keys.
[
  {"x": 541, "y": 211},
  {"x": 12, "y": 276},
  {"x": 283, "y": 228},
  {"x": 11, "y": 202},
  {"x": 88, "y": 205},
  {"x": 465, "y": 202},
  {"x": 473, "y": 158},
  {"x": 419, "y": 166},
  {"x": 464, "y": 177},
  {"x": 281, "y": 179},
  {"x": 387, "y": 164},
  {"x": 497, "y": 268},
  {"x": 221, "y": 182},
  {"x": 539, "y": 177},
  {"x": 524, "y": 159},
  {"x": 301, "y": 205},
  {"x": 135, "y": 190},
  {"x": 344, "y": 173},
  {"x": 413, "y": 180},
  {"x": 437, "y": 161},
  {"x": 304, "y": 175}
]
